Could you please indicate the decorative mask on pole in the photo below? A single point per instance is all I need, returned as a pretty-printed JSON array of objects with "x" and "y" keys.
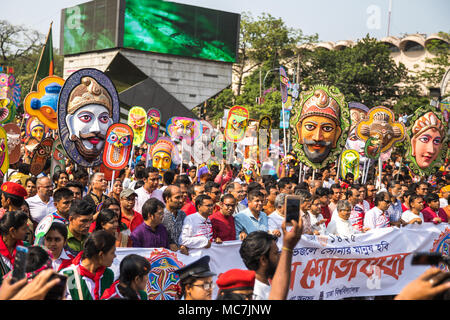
[
  {"x": 137, "y": 120},
  {"x": 163, "y": 154},
  {"x": 43, "y": 103},
  {"x": 88, "y": 106},
  {"x": 4, "y": 157},
  {"x": 8, "y": 97},
  {"x": 58, "y": 157},
  {"x": 13, "y": 137},
  {"x": 380, "y": 131},
  {"x": 40, "y": 155},
  {"x": 237, "y": 123},
  {"x": 119, "y": 143},
  {"x": 153, "y": 123},
  {"x": 320, "y": 126},
  {"x": 358, "y": 112},
  {"x": 183, "y": 128},
  {"x": 427, "y": 146},
  {"x": 36, "y": 129},
  {"x": 350, "y": 164}
]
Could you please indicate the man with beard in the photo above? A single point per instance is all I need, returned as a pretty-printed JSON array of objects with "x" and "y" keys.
[
  {"x": 173, "y": 217},
  {"x": 319, "y": 126},
  {"x": 89, "y": 115},
  {"x": 259, "y": 252}
]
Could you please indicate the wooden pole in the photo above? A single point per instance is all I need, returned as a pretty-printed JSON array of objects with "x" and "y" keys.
[{"x": 40, "y": 58}]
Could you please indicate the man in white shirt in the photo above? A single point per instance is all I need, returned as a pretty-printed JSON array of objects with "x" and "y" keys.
[
  {"x": 414, "y": 214},
  {"x": 197, "y": 228},
  {"x": 315, "y": 215},
  {"x": 42, "y": 203},
  {"x": 340, "y": 224},
  {"x": 377, "y": 217},
  {"x": 149, "y": 189},
  {"x": 276, "y": 218}
]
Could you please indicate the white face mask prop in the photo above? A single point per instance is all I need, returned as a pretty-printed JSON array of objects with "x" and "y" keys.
[
  {"x": 88, "y": 106},
  {"x": 88, "y": 127}
]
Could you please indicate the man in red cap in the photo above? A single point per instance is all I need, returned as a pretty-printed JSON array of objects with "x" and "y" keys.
[
  {"x": 236, "y": 284},
  {"x": 13, "y": 196}
]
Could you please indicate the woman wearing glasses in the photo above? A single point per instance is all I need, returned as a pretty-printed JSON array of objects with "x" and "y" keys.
[{"x": 196, "y": 280}]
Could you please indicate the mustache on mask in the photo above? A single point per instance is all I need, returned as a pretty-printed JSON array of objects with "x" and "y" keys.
[
  {"x": 320, "y": 143},
  {"x": 85, "y": 136}
]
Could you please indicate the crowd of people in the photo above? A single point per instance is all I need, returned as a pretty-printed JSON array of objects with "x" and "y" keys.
[{"x": 72, "y": 223}]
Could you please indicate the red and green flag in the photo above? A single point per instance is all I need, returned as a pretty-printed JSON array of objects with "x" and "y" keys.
[{"x": 45, "y": 65}]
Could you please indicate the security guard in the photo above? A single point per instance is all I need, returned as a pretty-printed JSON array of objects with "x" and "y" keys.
[{"x": 196, "y": 280}]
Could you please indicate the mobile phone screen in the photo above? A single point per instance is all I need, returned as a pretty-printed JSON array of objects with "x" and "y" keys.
[
  {"x": 292, "y": 209},
  {"x": 20, "y": 260}
]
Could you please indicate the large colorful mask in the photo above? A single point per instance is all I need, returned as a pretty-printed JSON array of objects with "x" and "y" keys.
[
  {"x": 4, "y": 158},
  {"x": 43, "y": 103},
  {"x": 9, "y": 97},
  {"x": 40, "y": 155},
  {"x": 119, "y": 143},
  {"x": 137, "y": 120},
  {"x": 13, "y": 137},
  {"x": 162, "y": 154},
  {"x": 153, "y": 123},
  {"x": 183, "y": 128},
  {"x": 58, "y": 158},
  {"x": 237, "y": 123},
  {"x": 88, "y": 106},
  {"x": 358, "y": 112},
  {"x": 380, "y": 131},
  {"x": 427, "y": 146},
  {"x": 202, "y": 147},
  {"x": 350, "y": 164},
  {"x": 320, "y": 126},
  {"x": 35, "y": 128}
]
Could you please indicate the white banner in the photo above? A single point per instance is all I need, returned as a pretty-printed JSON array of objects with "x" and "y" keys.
[{"x": 323, "y": 267}]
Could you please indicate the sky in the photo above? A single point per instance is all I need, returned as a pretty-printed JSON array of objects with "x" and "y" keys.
[{"x": 332, "y": 20}]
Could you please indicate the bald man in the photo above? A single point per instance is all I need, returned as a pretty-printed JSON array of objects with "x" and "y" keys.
[{"x": 42, "y": 203}]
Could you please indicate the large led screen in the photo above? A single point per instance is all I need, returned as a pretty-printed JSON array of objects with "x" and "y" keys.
[
  {"x": 89, "y": 26},
  {"x": 179, "y": 29}
]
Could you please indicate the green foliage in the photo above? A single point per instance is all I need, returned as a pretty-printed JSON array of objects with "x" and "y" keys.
[
  {"x": 20, "y": 48},
  {"x": 365, "y": 72}
]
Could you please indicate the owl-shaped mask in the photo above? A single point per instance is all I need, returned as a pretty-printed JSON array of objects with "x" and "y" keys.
[
  {"x": 184, "y": 128},
  {"x": 380, "y": 131},
  {"x": 58, "y": 157},
  {"x": 349, "y": 164},
  {"x": 137, "y": 120},
  {"x": 153, "y": 123},
  {"x": 40, "y": 155},
  {"x": 43, "y": 103},
  {"x": 119, "y": 143},
  {"x": 237, "y": 123}
]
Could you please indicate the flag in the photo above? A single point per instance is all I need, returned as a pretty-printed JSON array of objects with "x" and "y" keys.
[{"x": 45, "y": 65}]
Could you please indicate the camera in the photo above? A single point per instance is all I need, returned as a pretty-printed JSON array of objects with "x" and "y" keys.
[{"x": 434, "y": 258}]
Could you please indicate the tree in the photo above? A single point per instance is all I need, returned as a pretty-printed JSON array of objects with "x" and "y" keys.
[
  {"x": 365, "y": 72},
  {"x": 20, "y": 48},
  {"x": 264, "y": 40}
]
